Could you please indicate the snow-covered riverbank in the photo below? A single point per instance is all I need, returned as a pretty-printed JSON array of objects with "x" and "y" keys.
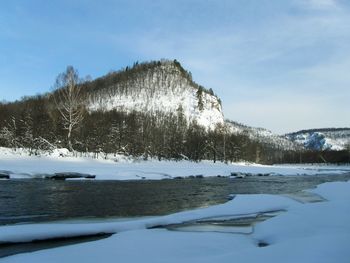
[
  {"x": 303, "y": 232},
  {"x": 19, "y": 165}
]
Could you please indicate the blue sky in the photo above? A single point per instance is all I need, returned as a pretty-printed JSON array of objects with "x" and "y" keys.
[{"x": 282, "y": 65}]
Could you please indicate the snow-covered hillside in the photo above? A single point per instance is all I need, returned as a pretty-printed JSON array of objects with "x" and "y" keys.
[
  {"x": 322, "y": 139},
  {"x": 155, "y": 87},
  {"x": 263, "y": 136}
]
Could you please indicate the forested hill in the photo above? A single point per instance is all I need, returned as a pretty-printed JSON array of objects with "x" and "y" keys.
[
  {"x": 149, "y": 110},
  {"x": 158, "y": 86}
]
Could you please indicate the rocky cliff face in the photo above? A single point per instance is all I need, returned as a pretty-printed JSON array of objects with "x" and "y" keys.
[{"x": 162, "y": 86}]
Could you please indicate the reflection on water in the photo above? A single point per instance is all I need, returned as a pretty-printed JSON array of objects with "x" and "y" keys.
[{"x": 44, "y": 200}]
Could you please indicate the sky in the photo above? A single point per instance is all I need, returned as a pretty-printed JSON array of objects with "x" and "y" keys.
[{"x": 281, "y": 65}]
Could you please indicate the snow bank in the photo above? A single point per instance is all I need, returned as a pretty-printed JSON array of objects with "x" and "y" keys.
[
  {"x": 19, "y": 165},
  {"x": 315, "y": 232}
]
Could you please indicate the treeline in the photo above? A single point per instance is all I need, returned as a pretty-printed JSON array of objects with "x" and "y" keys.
[
  {"x": 35, "y": 123},
  {"x": 313, "y": 156}
]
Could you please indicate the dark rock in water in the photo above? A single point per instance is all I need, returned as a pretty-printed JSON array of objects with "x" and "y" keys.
[
  {"x": 191, "y": 176},
  {"x": 261, "y": 174},
  {"x": 262, "y": 244},
  {"x": 242, "y": 175},
  {"x": 239, "y": 175},
  {"x": 64, "y": 176},
  {"x": 5, "y": 174}
]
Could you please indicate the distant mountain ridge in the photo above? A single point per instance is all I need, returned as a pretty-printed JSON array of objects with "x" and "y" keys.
[{"x": 322, "y": 139}]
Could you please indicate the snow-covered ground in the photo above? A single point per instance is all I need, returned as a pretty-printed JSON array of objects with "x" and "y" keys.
[
  {"x": 312, "y": 232},
  {"x": 293, "y": 232},
  {"x": 19, "y": 165}
]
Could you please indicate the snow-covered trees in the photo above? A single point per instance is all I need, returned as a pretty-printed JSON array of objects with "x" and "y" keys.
[
  {"x": 155, "y": 86},
  {"x": 144, "y": 135},
  {"x": 8, "y": 136},
  {"x": 69, "y": 101}
]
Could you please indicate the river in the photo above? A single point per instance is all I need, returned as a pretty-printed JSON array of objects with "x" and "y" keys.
[{"x": 28, "y": 201}]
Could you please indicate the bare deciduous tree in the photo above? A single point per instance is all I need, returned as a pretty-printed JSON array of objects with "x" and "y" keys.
[{"x": 68, "y": 99}]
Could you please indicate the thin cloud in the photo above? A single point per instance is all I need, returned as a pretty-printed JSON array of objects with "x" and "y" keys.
[{"x": 321, "y": 4}]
